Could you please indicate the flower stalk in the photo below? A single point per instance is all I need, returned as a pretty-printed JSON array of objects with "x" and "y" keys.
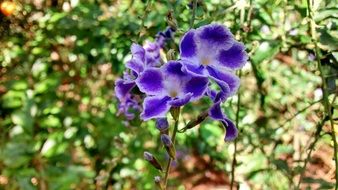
[
  {"x": 175, "y": 111},
  {"x": 326, "y": 102}
]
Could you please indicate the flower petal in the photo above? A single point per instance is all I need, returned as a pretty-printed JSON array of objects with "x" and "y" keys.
[
  {"x": 150, "y": 81},
  {"x": 225, "y": 80},
  {"x": 215, "y": 112},
  {"x": 194, "y": 69},
  {"x": 197, "y": 86},
  {"x": 188, "y": 46},
  {"x": 138, "y": 52},
  {"x": 181, "y": 100},
  {"x": 122, "y": 88},
  {"x": 174, "y": 68},
  {"x": 216, "y": 35},
  {"x": 155, "y": 107},
  {"x": 231, "y": 130},
  {"x": 233, "y": 58},
  {"x": 135, "y": 65}
]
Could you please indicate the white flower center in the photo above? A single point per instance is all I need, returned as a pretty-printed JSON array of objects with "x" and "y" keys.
[{"x": 172, "y": 86}]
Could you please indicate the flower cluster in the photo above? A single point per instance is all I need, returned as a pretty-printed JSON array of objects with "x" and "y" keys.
[{"x": 208, "y": 55}]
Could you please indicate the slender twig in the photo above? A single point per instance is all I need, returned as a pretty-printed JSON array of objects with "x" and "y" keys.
[
  {"x": 173, "y": 137},
  {"x": 326, "y": 102},
  {"x": 300, "y": 111},
  {"x": 311, "y": 148},
  {"x": 146, "y": 11},
  {"x": 234, "y": 160},
  {"x": 193, "y": 13}
]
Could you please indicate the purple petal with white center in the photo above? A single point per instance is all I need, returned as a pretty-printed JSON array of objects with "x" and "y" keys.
[
  {"x": 231, "y": 130},
  {"x": 225, "y": 80},
  {"x": 197, "y": 86},
  {"x": 194, "y": 69},
  {"x": 233, "y": 58},
  {"x": 122, "y": 88},
  {"x": 188, "y": 46},
  {"x": 216, "y": 35},
  {"x": 135, "y": 65},
  {"x": 177, "y": 102},
  {"x": 155, "y": 107},
  {"x": 150, "y": 82},
  {"x": 138, "y": 52}
]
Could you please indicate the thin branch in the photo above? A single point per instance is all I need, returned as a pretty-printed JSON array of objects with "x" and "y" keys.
[
  {"x": 326, "y": 102},
  {"x": 300, "y": 111},
  {"x": 234, "y": 160},
  {"x": 173, "y": 137},
  {"x": 194, "y": 6},
  {"x": 146, "y": 11},
  {"x": 311, "y": 148}
]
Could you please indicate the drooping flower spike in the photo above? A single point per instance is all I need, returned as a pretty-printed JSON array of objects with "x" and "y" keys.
[
  {"x": 168, "y": 87},
  {"x": 212, "y": 51}
]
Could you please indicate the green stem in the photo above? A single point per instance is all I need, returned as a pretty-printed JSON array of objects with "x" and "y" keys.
[
  {"x": 193, "y": 13},
  {"x": 173, "y": 137},
  {"x": 326, "y": 102},
  {"x": 146, "y": 11},
  {"x": 311, "y": 148},
  {"x": 234, "y": 160}
]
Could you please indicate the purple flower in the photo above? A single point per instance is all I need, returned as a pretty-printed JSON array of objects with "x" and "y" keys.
[
  {"x": 169, "y": 146},
  {"x": 212, "y": 51},
  {"x": 148, "y": 156},
  {"x": 166, "y": 140},
  {"x": 152, "y": 160},
  {"x": 168, "y": 86},
  {"x": 164, "y": 36},
  {"x": 142, "y": 58},
  {"x": 127, "y": 101},
  {"x": 162, "y": 124},
  {"x": 148, "y": 55},
  {"x": 215, "y": 112}
]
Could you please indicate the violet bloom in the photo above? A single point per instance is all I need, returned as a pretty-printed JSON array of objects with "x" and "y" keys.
[
  {"x": 127, "y": 101},
  {"x": 215, "y": 112},
  {"x": 143, "y": 57},
  {"x": 168, "y": 86},
  {"x": 212, "y": 51},
  {"x": 164, "y": 36},
  {"x": 148, "y": 55}
]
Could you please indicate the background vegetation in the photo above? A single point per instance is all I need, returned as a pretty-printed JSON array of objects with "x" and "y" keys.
[{"x": 58, "y": 123}]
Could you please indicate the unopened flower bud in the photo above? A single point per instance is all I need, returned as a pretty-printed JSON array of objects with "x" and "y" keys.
[
  {"x": 169, "y": 146},
  {"x": 162, "y": 125},
  {"x": 171, "y": 55},
  {"x": 171, "y": 20},
  {"x": 157, "y": 180},
  {"x": 196, "y": 121},
  {"x": 152, "y": 160},
  {"x": 175, "y": 112}
]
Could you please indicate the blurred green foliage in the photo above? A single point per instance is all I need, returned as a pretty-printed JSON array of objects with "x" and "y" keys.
[{"x": 58, "y": 124}]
